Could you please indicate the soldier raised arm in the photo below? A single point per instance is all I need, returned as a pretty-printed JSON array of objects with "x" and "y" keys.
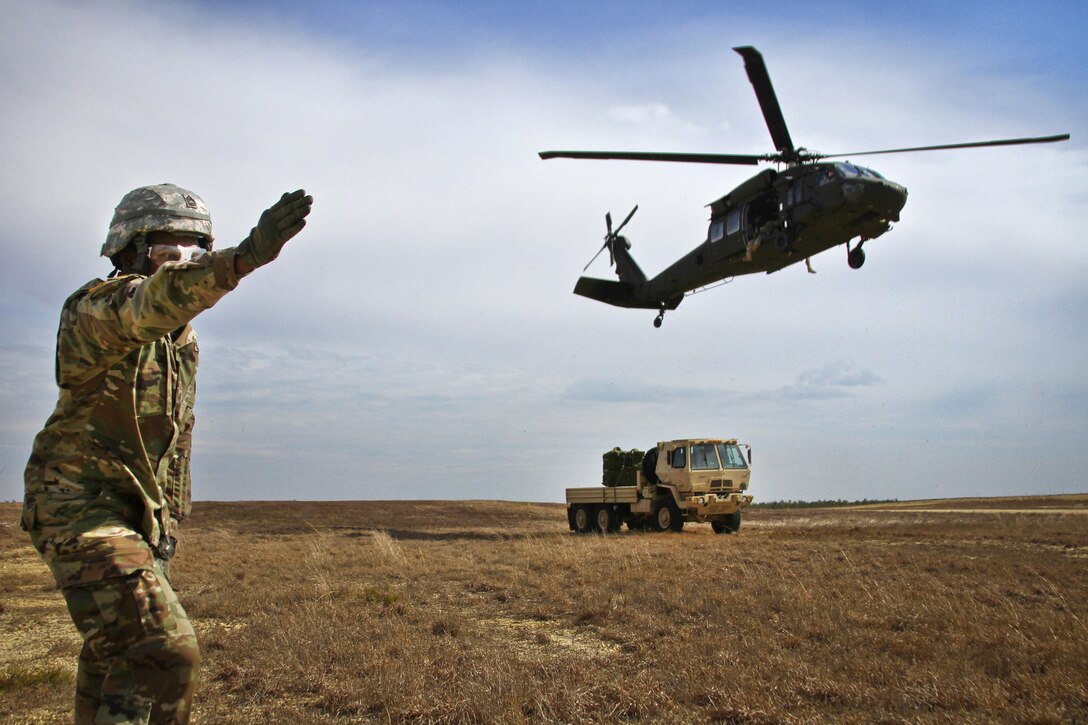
[{"x": 108, "y": 478}]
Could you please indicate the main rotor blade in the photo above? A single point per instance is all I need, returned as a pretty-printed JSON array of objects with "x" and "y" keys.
[
  {"x": 740, "y": 159},
  {"x": 768, "y": 101},
  {"x": 974, "y": 144}
]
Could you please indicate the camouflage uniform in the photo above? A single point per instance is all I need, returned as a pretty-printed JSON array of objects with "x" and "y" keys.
[{"x": 108, "y": 478}]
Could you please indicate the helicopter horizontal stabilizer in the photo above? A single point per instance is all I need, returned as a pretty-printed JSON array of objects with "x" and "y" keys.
[{"x": 620, "y": 294}]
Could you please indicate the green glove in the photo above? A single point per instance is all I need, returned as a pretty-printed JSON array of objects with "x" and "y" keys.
[{"x": 277, "y": 224}]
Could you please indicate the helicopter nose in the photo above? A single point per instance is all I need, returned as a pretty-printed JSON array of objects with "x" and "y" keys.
[
  {"x": 891, "y": 198},
  {"x": 881, "y": 196}
]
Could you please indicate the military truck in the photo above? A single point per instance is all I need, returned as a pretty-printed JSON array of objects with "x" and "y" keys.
[{"x": 694, "y": 479}]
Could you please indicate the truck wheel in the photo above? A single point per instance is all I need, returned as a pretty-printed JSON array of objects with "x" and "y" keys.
[
  {"x": 583, "y": 523},
  {"x": 668, "y": 517},
  {"x": 607, "y": 521},
  {"x": 649, "y": 466},
  {"x": 727, "y": 524}
]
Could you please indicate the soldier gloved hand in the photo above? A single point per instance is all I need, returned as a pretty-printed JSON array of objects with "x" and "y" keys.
[{"x": 277, "y": 224}]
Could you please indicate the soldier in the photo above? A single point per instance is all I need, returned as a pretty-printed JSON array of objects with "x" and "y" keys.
[{"x": 108, "y": 479}]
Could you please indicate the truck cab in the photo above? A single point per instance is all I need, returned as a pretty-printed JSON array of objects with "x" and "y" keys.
[
  {"x": 703, "y": 466},
  {"x": 699, "y": 480}
]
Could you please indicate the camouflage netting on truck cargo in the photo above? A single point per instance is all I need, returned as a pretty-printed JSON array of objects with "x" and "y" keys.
[{"x": 621, "y": 467}]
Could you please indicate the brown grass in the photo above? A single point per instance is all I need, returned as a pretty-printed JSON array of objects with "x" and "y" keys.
[{"x": 494, "y": 612}]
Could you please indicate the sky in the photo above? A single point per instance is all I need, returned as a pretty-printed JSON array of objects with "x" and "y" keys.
[{"x": 419, "y": 339}]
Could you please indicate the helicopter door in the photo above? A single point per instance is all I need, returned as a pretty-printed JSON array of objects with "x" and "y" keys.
[
  {"x": 747, "y": 231},
  {"x": 752, "y": 221},
  {"x": 757, "y": 213}
]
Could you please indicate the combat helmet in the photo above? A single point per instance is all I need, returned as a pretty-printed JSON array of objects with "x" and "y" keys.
[{"x": 162, "y": 207}]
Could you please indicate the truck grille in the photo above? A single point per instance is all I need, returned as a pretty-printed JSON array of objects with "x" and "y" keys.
[{"x": 721, "y": 484}]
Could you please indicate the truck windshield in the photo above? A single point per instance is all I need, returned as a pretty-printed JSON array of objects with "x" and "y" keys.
[
  {"x": 703, "y": 457},
  {"x": 731, "y": 456}
]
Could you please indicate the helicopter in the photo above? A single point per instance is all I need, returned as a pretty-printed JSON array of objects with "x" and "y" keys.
[{"x": 777, "y": 218}]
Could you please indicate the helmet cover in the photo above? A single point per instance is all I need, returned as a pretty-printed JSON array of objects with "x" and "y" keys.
[{"x": 163, "y": 207}]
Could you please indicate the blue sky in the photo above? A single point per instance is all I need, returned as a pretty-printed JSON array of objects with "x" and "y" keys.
[{"x": 419, "y": 339}]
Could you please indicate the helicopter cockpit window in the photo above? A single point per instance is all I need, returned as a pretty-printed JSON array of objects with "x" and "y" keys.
[
  {"x": 732, "y": 222},
  {"x": 717, "y": 231},
  {"x": 850, "y": 170}
]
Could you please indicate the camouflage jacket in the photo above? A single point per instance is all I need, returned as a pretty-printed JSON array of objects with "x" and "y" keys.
[{"x": 115, "y": 452}]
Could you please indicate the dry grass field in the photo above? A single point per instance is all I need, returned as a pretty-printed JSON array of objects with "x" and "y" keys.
[{"x": 359, "y": 612}]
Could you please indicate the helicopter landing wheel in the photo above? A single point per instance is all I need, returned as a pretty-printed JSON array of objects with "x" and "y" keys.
[
  {"x": 660, "y": 316},
  {"x": 856, "y": 257}
]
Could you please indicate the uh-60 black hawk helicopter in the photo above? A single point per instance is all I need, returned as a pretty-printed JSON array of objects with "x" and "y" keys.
[{"x": 772, "y": 220}]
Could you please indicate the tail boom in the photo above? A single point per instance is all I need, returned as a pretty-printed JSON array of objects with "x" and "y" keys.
[{"x": 621, "y": 294}]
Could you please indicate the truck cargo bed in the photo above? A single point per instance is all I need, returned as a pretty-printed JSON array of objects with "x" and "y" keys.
[{"x": 603, "y": 494}]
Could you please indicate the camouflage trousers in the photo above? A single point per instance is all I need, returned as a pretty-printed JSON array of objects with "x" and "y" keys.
[{"x": 140, "y": 657}]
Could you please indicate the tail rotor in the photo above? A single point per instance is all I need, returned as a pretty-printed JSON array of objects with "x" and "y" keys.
[{"x": 610, "y": 238}]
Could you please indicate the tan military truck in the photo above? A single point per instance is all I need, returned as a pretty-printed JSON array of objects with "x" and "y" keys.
[{"x": 695, "y": 479}]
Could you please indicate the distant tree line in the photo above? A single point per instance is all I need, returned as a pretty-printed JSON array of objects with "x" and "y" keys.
[{"x": 791, "y": 504}]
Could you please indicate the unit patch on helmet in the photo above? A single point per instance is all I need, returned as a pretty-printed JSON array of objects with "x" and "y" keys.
[{"x": 190, "y": 201}]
